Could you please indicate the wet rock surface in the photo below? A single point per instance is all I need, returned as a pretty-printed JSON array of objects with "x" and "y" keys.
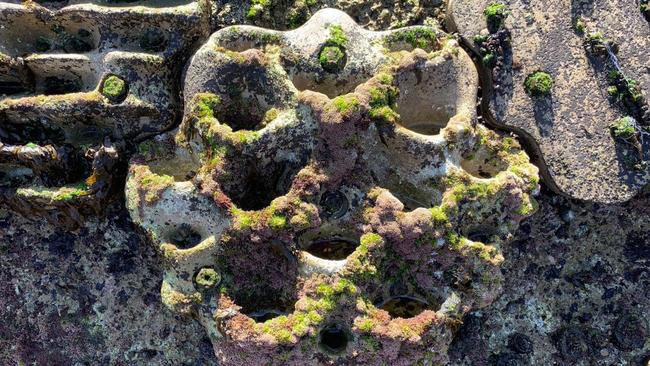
[
  {"x": 81, "y": 284},
  {"x": 570, "y": 124},
  {"x": 574, "y": 290}
]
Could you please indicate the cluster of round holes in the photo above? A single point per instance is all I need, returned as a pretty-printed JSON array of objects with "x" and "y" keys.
[
  {"x": 332, "y": 249},
  {"x": 333, "y": 339},
  {"x": 404, "y": 306},
  {"x": 184, "y": 237}
]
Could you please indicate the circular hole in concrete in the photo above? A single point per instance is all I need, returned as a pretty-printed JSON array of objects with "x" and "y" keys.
[
  {"x": 404, "y": 306},
  {"x": 334, "y": 204},
  {"x": 332, "y": 248},
  {"x": 333, "y": 339},
  {"x": 184, "y": 237},
  {"x": 332, "y": 58}
]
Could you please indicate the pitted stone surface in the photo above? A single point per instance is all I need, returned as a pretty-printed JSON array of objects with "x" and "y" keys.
[
  {"x": 348, "y": 216},
  {"x": 79, "y": 82},
  {"x": 571, "y": 125}
]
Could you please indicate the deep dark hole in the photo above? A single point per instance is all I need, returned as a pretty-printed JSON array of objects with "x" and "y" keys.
[
  {"x": 481, "y": 234},
  {"x": 334, "y": 204},
  {"x": 77, "y": 45},
  {"x": 12, "y": 87},
  {"x": 404, "y": 306},
  {"x": 55, "y": 85},
  {"x": 334, "y": 249},
  {"x": 184, "y": 237},
  {"x": 153, "y": 40},
  {"x": 260, "y": 189},
  {"x": 263, "y": 315},
  {"x": 333, "y": 339}
]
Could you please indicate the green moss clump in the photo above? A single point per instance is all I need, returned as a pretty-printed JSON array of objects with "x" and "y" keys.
[
  {"x": 580, "y": 25},
  {"x": 277, "y": 222},
  {"x": 155, "y": 184},
  {"x": 207, "y": 278},
  {"x": 346, "y": 103},
  {"x": 624, "y": 128},
  {"x": 206, "y": 104},
  {"x": 495, "y": 13},
  {"x": 114, "y": 88},
  {"x": 645, "y": 8},
  {"x": 257, "y": 7},
  {"x": 332, "y": 58},
  {"x": 419, "y": 37},
  {"x": 31, "y": 145},
  {"x": 337, "y": 36},
  {"x": 438, "y": 215},
  {"x": 383, "y": 103},
  {"x": 538, "y": 83},
  {"x": 67, "y": 195}
]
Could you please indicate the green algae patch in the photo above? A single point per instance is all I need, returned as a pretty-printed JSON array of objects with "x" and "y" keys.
[
  {"x": 538, "y": 83},
  {"x": 624, "y": 128},
  {"x": 346, "y": 103},
  {"x": 114, "y": 88},
  {"x": 418, "y": 37},
  {"x": 61, "y": 194},
  {"x": 495, "y": 13},
  {"x": 277, "y": 222},
  {"x": 207, "y": 278},
  {"x": 154, "y": 185}
]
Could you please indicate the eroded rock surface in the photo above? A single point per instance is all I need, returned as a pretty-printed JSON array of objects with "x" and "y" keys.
[
  {"x": 571, "y": 124},
  {"x": 330, "y": 198}
]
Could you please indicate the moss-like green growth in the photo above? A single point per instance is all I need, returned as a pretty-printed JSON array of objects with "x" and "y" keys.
[
  {"x": 538, "y": 83},
  {"x": 114, "y": 88},
  {"x": 277, "y": 222},
  {"x": 257, "y": 7},
  {"x": 337, "y": 36},
  {"x": 626, "y": 88},
  {"x": 206, "y": 104},
  {"x": 332, "y": 58},
  {"x": 243, "y": 219},
  {"x": 69, "y": 194},
  {"x": 346, "y": 103},
  {"x": 645, "y": 8},
  {"x": 154, "y": 184},
  {"x": 624, "y": 128},
  {"x": 438, "y": 215},
  {"x": 31, "y": 145},
  {"x": 286, "y": 329},
  {"x": 382, "y": 104},
  {"x": 495, "y": 13},
  {"x": 65, "y": 193},
  {"x": 580, "y": 25},
  {"x": 418, "y": 37},
  {"x": 207, "y": 278}
]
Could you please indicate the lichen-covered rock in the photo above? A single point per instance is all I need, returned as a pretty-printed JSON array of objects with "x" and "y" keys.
[
  {"x": 78, "y": 84},
  {"x": 330, "y": 198}
]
